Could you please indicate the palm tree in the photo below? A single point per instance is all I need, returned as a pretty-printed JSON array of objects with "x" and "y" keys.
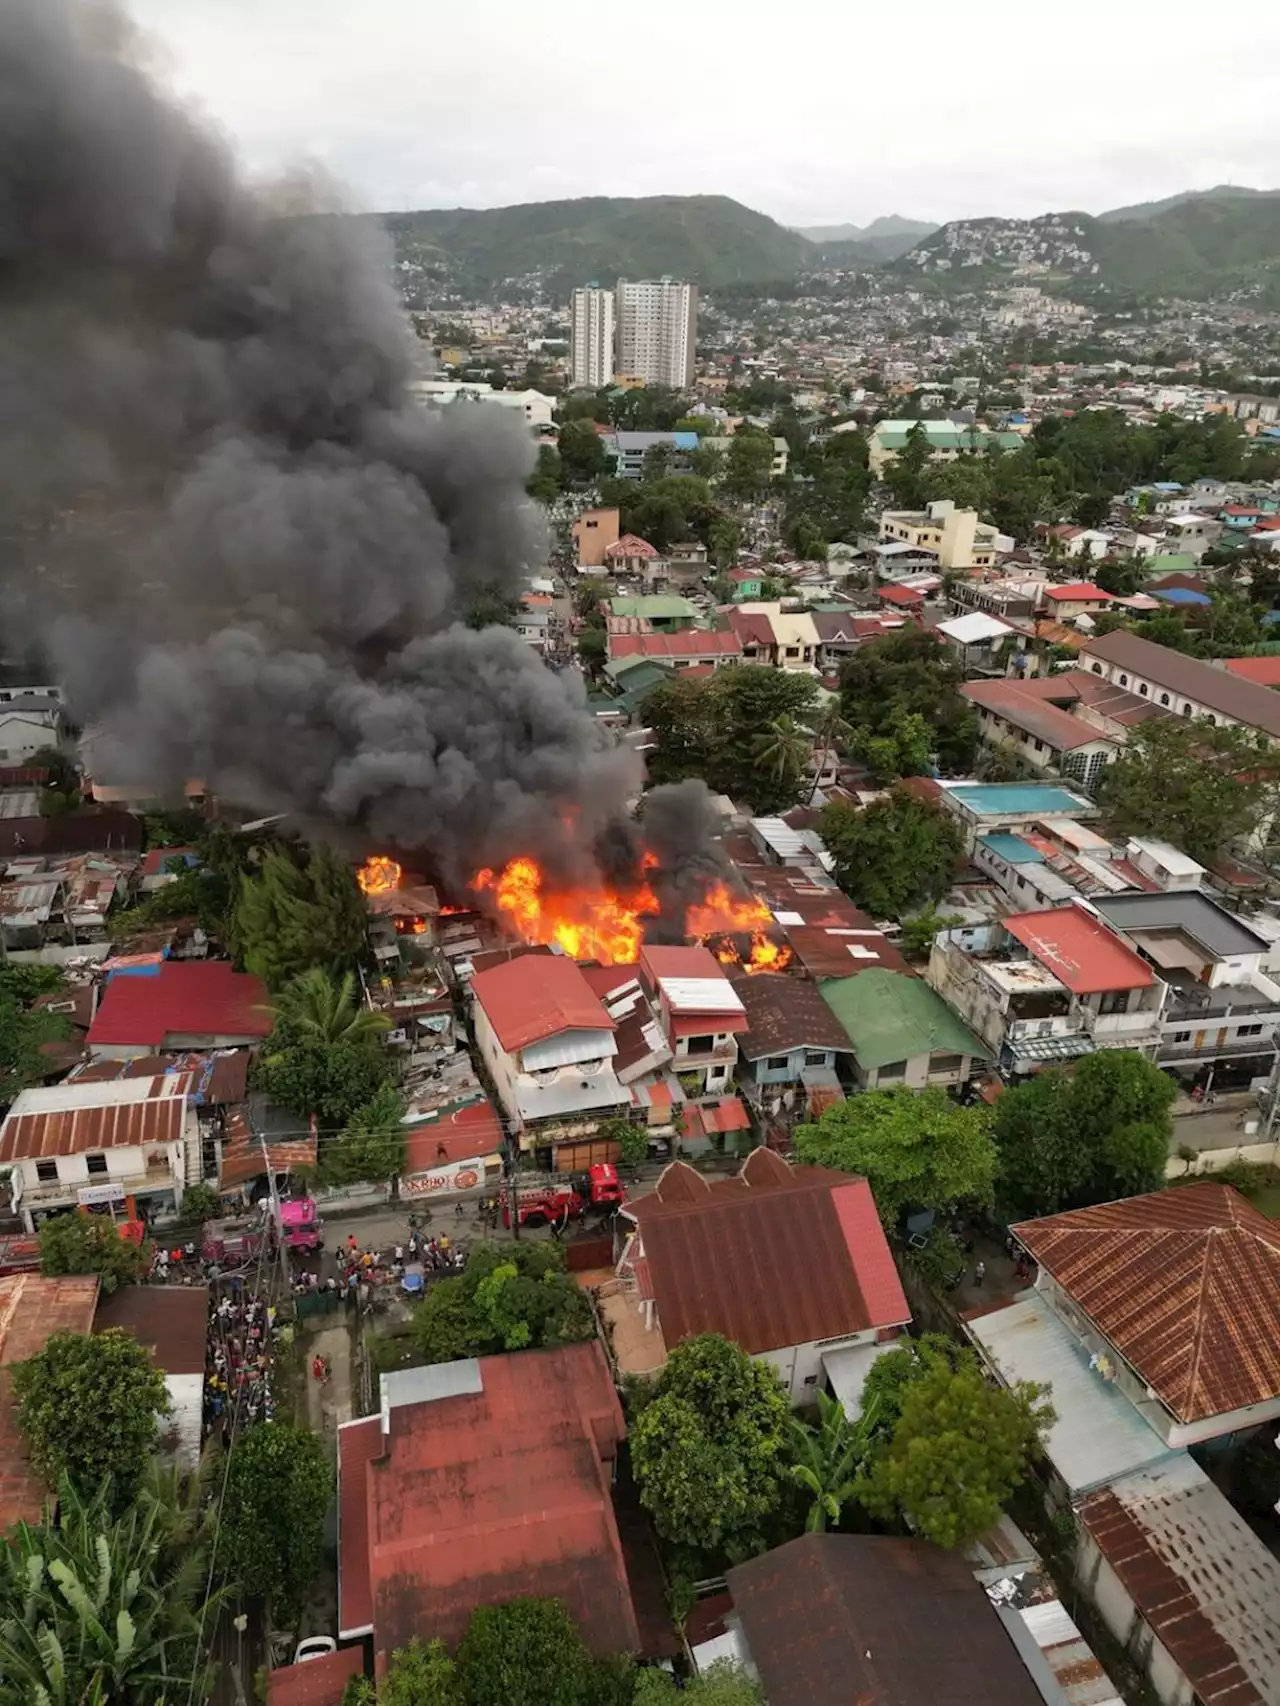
[
  {"x": 783, "y": 749},
  {"x": 830, "y": 730},
  {"x": 96, "y": 1609},
  {"x": 827, "y": 1461},
  {"x": 327, "y": 1011}
]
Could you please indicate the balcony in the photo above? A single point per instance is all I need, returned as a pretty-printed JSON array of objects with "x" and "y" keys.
[
  {"x": 1232, "y": 1048},
  {"x": 724, "y": 1054}
]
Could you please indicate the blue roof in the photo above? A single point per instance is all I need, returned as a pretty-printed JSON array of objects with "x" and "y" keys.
[
  {"x": 1020, "y": 799},
  {"x": 1180, "y": 595},
  {"x": 1013, "y": 848},
  {"x": 1167, "y": 485}
]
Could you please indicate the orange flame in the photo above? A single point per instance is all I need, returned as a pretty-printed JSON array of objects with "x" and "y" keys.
[
  {"x": 766, "y": 954},
  {"x": 722, "y": 913},
  {"x": 588, "y": 923},
  {"x": 379, "y": 875}
]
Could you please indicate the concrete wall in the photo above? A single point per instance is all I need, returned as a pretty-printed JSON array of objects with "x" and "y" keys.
[
  {"x": 1120, "y": 1615},
  {"x": 186, "y": 1395},
  {"x": 800, "y": 1366}
]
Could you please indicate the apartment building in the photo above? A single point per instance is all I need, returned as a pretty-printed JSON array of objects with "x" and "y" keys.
[
  {"x": 657, "y": 330},
  {"x": 956, "y": 538},
  {"x": 1050, "y": 986},
  {"x": 700, "y": 1013},
  {"x": 592, "y": 336}
]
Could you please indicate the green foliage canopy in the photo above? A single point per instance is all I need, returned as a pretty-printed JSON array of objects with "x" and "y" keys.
[
  {"x": 895, "y": 856},
  {"x": 711, "y": 728},
  {"x": 917, "y": 1151},
  {"x": 508, "y": 1297},
  {"x": 293, "y": 916},
  {"x": 91, "y": 1244},
  {"x": 278, "y": 1486}
]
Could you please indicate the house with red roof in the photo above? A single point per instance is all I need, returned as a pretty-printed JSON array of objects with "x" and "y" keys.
[
  {"x": 700, "y": 1012},
  {"x": 791, "y": 1263},
  {"x": 1051, "y": 986},
  {"x": 1075, "y": 598},
  {"x": 681, "y": 650},
  {"x": 179, "y": 1004},
  {"x": 550, "y": 1045},
  {"x": 480, "y": 1482}
]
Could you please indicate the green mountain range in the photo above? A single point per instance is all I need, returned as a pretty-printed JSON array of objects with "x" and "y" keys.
[
  {"x": 704, "y": 237},
  {"x": 1200, "y": 244}
]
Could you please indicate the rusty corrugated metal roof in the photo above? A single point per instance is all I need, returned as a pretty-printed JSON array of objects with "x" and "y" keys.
[
  {"x": 1184, "y": 1283},
  {"x": 74, "y": 1130}
]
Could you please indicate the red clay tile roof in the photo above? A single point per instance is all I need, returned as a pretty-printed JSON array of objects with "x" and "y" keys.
[
  {"x": 487, "y": 1496},
  {"x": 867, "y": 1620},
  {"x": 777, "y": 1256},
  {"x": 1184, "y": 1283},
  {"x": 32, "y": 1310},
  {"x": 1190, "y": 678},
  {"x": 194, "y": 998},
  {"x": 1079, "y": 950},
  {"x": 317, "y": 1682},
  {"x": 1265, "y": 671},
  {"x": 900, "y": 595},
  {"x": 752, "y": 627},
  {"x": 538, "y": 996}
]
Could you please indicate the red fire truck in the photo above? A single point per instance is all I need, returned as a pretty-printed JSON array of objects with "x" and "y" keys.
[{"x": 545, "y": 1198}]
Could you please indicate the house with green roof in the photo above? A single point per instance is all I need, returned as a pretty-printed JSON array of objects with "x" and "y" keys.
[
  {"x": 664, "y": 612},
  {"x": 902, "y": 1032},
  {"x": 947, "y": 441}
]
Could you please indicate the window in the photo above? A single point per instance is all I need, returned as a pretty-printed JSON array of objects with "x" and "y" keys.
[
  {"x": 1142, "y": 688},
  {"x": 1249, "y": 1031},
  {"x": 815, "y": 1057},
  {"x": 1124, "y": 681},
  {"x": 47, "y": 1172},
  {"x": 1039, "y": 746},
  {"x": 1114, "y": 1001},
  {"x": 946, "y": 1063},
  {"x": 1180, "y": 1037},
  {"x": 778, "y": 1062},
  {"x": 1186, "y": 710},
  {"x": 1164, "y": 698},
  {"x": 895, "y": 1069},
  {"x": 96, "y": 1164},
  {"x": 1097, "y": 669}
]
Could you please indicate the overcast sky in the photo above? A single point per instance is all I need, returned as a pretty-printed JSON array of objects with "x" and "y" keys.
[{"x": 814, "y": 111}]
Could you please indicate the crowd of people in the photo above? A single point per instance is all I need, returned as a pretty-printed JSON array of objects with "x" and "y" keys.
[{"x": 240, "y": 1342}]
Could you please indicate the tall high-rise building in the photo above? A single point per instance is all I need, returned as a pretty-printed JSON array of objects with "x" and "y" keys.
[
  {"x": 591, "y": 336},
  {"x": 657, "y": 330}
]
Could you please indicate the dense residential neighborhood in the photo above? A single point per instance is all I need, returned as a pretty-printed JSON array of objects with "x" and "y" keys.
[{"x": 639, "y": 941}]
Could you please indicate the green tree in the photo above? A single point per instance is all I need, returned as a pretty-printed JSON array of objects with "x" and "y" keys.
[
  {"x": 201, "y": 1202},
  {"x": 88, "y": 1408},
  {"x": 895, "y": 856},
  {"x": 593, "y": 647},
  {"x": 723, "y": 1683},
  {"x": 749, "y": 463},
  {"x": 292, "y": 917},
  {"x": 91, "y": 1244},
  {"x": 372, "y": 1146},
  {"x": 23, "y": 1033},
  {"x": 783, "y": 750},
  {"x": 632, "y": 1140},
  {"x": 278, "y": 1487},
  {"x": 916, "y": 1151},
  {"x": 918, "y": 933},
  {"x": 1067, "y": 1138},
  {"x": 906, "y": 475},
  {"x": 709, "y": 728},
  {"x": 1189, "y": 783},
  {"x": 525, "y": 1653},
  {"x": 908, "y": 673},
  {"x": 330, "y": 1080},
  {"x": 827, "y": 1459},
  {"x": 902, "y": 748},
  {"x": 958, "y": 1450},
  {"x": 328, "y": 1010},
  {"x": 97, "y": 1606},
  {"x": 421, "y": 1674},
  {"x": 708, "y": 1451},
  {"x": 507, "y": 1298},
  {"x": 724, "y": 542},
  {"x": 547, "y": 478}
]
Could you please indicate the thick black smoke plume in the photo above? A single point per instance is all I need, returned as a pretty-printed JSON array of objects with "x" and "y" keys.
[{"x": 244, "y": 549}]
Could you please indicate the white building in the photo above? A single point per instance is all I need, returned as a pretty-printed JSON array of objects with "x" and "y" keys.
[
  {"x": 83, "y": 1145},
  {"x": 534, "y": 406},
  {"x": 30, "y": 719},
  {"x": 657, "y": 330},
  {"x": 591, "y": 336}
]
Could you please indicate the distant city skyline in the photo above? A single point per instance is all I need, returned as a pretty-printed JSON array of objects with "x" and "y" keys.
[{"x": 816, "y": 115}]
